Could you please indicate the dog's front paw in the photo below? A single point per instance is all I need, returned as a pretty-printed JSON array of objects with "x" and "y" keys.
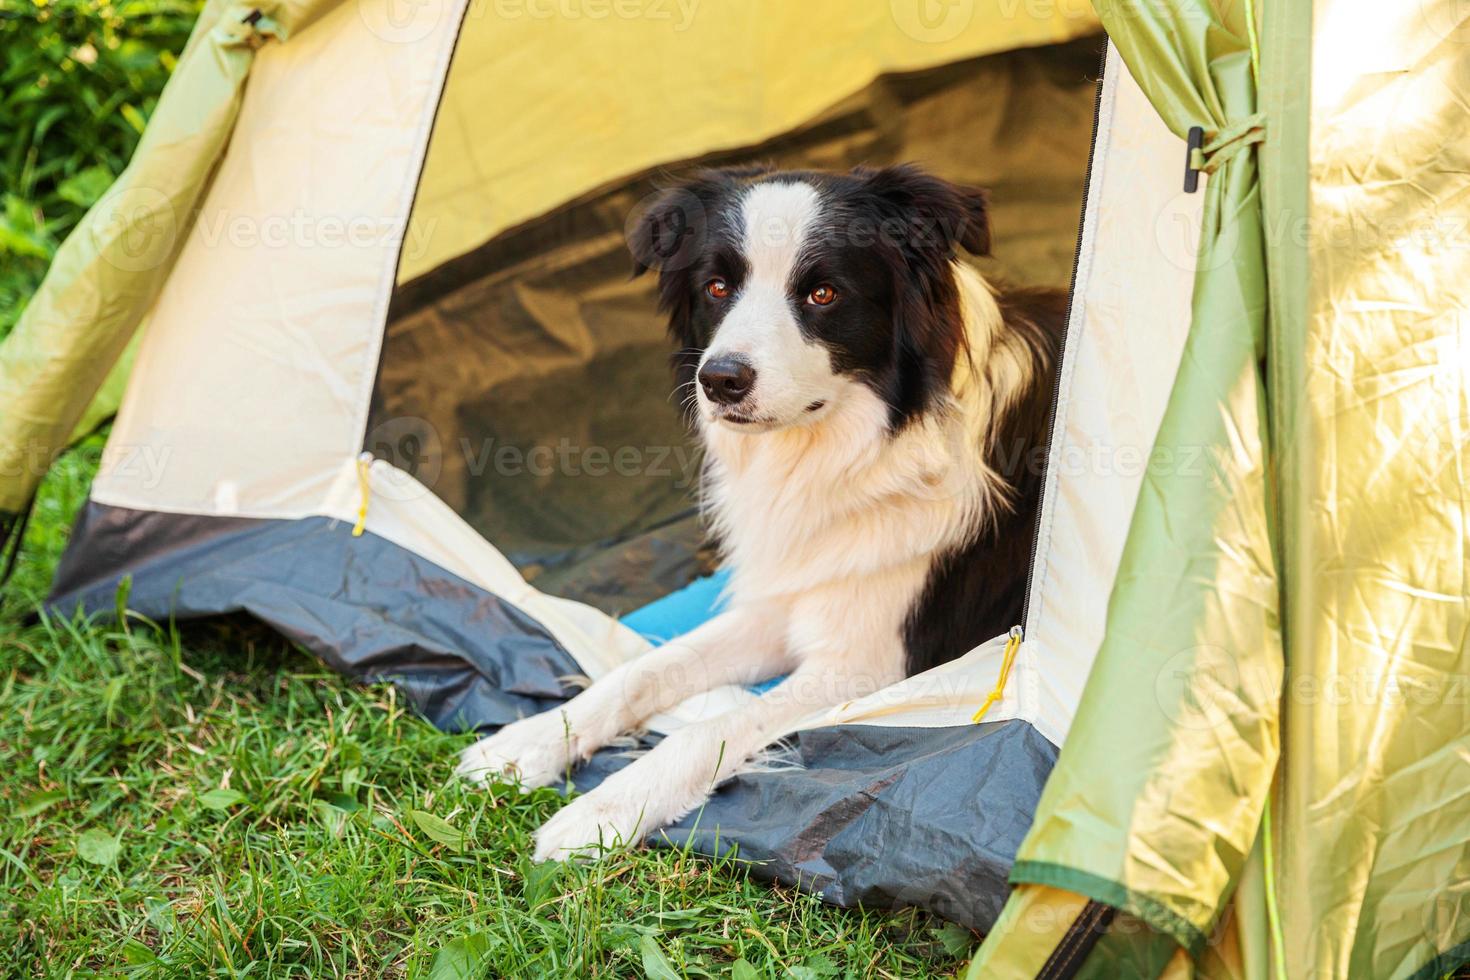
[
  {"x": 532, "y": 752},
  {"x": 590, "y": 825}
]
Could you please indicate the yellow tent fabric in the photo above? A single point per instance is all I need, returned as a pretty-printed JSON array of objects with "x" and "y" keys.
[
  {"x": 520, "y": 132},
  {"x": 513, "y": 94},
  {"x": 1374, "y": 828},
  {"x": 1359, "y": 856}
]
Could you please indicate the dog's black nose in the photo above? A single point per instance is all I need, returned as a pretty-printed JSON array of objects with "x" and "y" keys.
[{"x": 726, "y": 380}]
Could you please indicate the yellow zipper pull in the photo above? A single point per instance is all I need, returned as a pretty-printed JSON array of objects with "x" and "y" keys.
[
  {"x": 1012, "y": 645},
  {"x": 364, "y": 463}
]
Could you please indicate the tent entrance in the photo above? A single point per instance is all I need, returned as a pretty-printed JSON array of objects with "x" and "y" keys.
[
  {"x": 525, "y": 381},
  {"x": 511, "y": 382}
]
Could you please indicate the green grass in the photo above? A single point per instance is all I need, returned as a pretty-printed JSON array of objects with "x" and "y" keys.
[
  {"x": 78, "y": 80},
  {"x": 202, "y": 800}
]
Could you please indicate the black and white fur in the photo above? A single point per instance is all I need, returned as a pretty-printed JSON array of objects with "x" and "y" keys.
[{"x": 873, "y": 414}]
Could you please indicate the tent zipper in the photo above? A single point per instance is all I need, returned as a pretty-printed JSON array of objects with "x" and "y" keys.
[
  {"x": 364, "y": 490},
  {"x": 1070, "y": 955},
  {"x": 1008, "y": 660},
  {"x": 1056, "y": 390}
]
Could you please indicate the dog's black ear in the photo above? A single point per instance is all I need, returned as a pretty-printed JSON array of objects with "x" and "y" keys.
[
  {"x": 667, "y": 229},
  {"x": 938, "y": 215},
  {"x": 928, "y": 337},
  {"x": 923, "y": 219},
  {"x": 668, "y": 232}
]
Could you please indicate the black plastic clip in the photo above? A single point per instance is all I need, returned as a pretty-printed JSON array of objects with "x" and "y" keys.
[{"x": 1196, "y": 141}]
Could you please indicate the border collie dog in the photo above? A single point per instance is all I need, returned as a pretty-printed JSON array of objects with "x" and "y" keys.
[{"x": 872, "y": 413}]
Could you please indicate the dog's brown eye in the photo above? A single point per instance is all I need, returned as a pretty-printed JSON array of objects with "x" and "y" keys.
[
  {"x": 717, "y": 288},
  {"x": 822, "y": 295}
]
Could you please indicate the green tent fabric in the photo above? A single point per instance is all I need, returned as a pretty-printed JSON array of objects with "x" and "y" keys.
[
  {"x": 1197, "y": 589},
  {"x": 1287, "y": 766}
]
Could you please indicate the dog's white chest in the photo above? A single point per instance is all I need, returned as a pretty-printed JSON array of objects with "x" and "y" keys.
[{"x": 797, "y": 512}]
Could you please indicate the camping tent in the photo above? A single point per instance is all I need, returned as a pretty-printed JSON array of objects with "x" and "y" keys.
[{"x": 1231, "y": 739}]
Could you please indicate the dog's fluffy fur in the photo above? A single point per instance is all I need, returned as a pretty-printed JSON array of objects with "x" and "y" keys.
[{"x": 873, "y": 414}]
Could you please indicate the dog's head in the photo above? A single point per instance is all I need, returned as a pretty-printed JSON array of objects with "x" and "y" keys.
[{"x": 789, "y": 294}]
